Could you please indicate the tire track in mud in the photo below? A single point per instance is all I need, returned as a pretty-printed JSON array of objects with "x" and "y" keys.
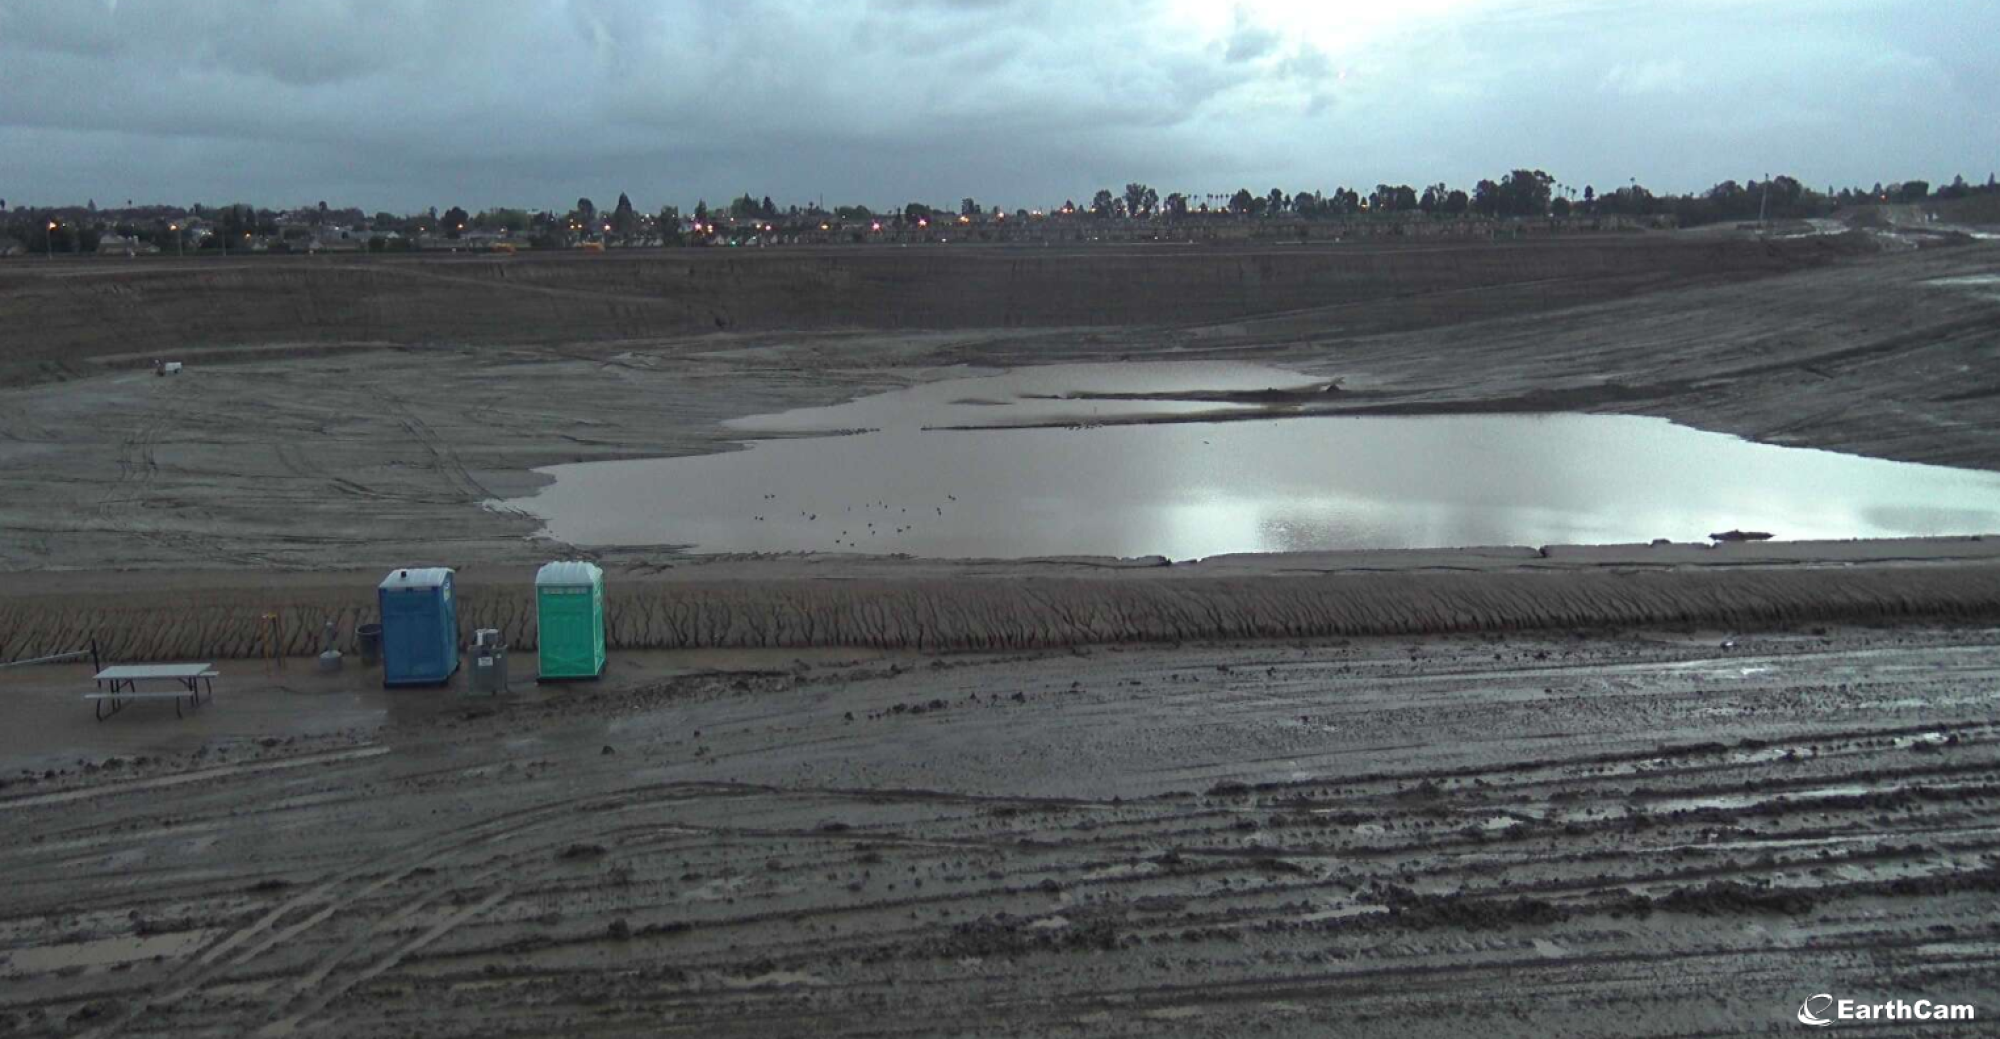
[
  {"x": 1075, "y": 872},
  {"x": 444, "y": 457},
  {"x": 1077, "y": 861},
  {"x": 1163, "y": 872},
  {"x": 263, "y": 934},
  {"x": 1702, "y": 842},
  {"x": 322, "y": 994},
  {"x": 185, "y": 778},
  {"x": 347, "y": 894},
  {"x": 122, "y": 505}
]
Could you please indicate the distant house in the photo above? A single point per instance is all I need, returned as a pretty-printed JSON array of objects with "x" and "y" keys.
[
  {"x": 337, "y": 238},
  {"x": 12, "y": 247},
  {"x": 114, "y": 244}
]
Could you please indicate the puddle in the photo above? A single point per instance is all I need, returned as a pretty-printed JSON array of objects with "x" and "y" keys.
[
  {"x": 102, "y": 952},
  {"x": 773, "y": 979},
  {"x": 1737, "y": 802},
  {"x": 185, "y": 778},
  {"x": 1988, "y": 282},
  {"x": 1192, "y": 489},
  {"x": 1341, "y": 912},
  {"x": 1798, "y": 798}
]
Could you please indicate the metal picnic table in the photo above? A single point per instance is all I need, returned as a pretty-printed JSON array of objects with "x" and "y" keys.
[{"x": 123, "y": 681}]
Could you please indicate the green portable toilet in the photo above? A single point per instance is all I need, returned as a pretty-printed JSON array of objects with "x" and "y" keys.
[{"x": 569, "y": 620}]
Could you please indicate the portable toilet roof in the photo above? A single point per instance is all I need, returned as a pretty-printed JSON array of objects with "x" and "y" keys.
[
  {"x": 422, "y": 577},
  {"x": 569, "y": 575}
]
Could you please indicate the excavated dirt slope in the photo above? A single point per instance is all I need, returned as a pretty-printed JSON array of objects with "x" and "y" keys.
[
  {"x": 324, "y": 457},
  {"x": 57, "y": 315}
]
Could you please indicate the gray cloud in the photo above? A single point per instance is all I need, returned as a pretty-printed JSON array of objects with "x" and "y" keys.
[
  {"x": 1249, "y": 39},
  {"x": 410, "y": 103}
]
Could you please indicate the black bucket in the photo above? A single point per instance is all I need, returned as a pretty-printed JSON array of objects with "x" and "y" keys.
[{"x": 369, "y": 637}]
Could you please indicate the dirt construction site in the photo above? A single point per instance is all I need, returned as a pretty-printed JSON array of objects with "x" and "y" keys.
[{"x": 1514, "y": 790}]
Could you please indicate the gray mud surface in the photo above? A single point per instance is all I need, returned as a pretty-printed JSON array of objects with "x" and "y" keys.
[
  {"x": 1530, "y": 791},
  {"x": 335, "y": 415},
  {"x": 1642, "y": 832}
]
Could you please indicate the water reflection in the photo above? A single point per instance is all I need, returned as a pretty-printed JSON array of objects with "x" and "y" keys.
[{"x": 1188, "y": 490}]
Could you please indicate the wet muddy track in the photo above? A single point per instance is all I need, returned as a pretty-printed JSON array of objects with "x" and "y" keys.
[{"x": 1660, "y": 832}]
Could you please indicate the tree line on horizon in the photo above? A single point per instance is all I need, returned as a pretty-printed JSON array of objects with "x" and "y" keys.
[{"x": 1519, "y": 194}]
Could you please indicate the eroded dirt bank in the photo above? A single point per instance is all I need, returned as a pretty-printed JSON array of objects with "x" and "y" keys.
[
  {"x": 913, "y": 604},
  {"x": 1660, "y": 832}
]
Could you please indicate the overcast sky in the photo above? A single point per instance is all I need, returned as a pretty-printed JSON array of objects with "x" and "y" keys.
[{"x": 406, "y": 104}]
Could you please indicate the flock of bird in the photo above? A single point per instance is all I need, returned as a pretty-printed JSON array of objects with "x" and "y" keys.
[{"x": 851, "y": 539}]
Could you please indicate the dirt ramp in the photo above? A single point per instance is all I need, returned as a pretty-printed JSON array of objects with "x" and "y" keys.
[{"x": 219, "y": 622}]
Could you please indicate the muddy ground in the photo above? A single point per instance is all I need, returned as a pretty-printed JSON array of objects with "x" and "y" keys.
[
  {"x": 1643, "y": 832},
  {"x": 1648, "y": 790},
  {"x": 330, "y": 455}
]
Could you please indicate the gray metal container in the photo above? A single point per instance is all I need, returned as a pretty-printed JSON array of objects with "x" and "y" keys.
[
  {"x": 489, "y": 662},
  {"x": 369, "y": 638}
]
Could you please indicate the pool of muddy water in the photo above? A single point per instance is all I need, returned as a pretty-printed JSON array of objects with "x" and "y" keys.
[{"x": 1039, "y": 462}]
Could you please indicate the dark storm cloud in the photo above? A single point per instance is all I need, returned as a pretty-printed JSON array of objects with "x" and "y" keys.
[{"x": 408, "y": 103}]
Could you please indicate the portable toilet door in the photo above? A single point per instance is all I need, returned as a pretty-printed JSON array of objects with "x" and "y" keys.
[
  {"x": 569, "y": 620},
  {"x": 419, "y": 627}
]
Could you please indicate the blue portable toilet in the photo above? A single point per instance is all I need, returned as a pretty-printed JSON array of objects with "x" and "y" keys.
[{"x": 419, "y": 627}]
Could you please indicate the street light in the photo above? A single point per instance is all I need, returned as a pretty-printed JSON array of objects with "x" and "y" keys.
[
  {"x": 176, "y": 229},
  {"x": 51, "y": 240}
]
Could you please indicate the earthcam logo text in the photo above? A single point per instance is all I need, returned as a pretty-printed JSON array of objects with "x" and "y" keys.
[{"x": 1822, "y": 1010}]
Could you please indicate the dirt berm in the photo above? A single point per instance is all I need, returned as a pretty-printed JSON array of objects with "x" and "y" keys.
[{"x": 935, "y": 606}]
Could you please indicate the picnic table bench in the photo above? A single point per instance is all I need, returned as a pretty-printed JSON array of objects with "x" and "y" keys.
[{"x": 123, "y": 684}]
